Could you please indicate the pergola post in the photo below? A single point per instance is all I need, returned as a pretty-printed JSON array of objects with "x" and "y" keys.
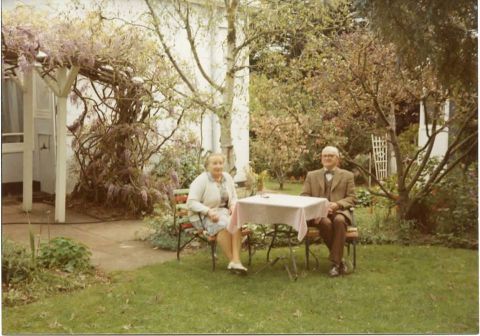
[
  {"x": 61, "y": 166},
  {"x": 28, "y": 131},
  {"x": 64, "y": 82}
]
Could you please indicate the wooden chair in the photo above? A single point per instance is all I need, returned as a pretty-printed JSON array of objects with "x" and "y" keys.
[
  {"x": 313, "y": 236},
  {"x": 184, "y": 225}
]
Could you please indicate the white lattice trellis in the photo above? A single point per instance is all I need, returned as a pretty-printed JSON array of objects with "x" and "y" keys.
[{"x": 380, "y": 158}]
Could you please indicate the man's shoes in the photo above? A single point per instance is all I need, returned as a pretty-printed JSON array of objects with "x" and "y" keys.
[
  {"x": 237, "y": 268},
  {"x": 334, "y": 271},
  {"x": 337, "y": 270}
]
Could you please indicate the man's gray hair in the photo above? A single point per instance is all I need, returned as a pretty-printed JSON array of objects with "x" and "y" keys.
[{"x": 331, "y": 150}]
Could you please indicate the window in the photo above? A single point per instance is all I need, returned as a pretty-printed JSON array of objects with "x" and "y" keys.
[{"x": 12, "y": 112}]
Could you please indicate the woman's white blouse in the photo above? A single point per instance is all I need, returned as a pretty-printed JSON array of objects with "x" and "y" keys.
[{"x": 204, "y": 194}]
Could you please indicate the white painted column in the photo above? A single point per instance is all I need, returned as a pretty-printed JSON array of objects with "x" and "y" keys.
[
  {"x": 62, "y": 88},
  {"x": 61, "y": 166},
  {"x": 28, "y": 131},
  {"x": 61, "y": 159}
]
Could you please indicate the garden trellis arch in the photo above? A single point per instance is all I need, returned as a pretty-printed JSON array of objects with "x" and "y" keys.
[{"x": 60, "y": 80}]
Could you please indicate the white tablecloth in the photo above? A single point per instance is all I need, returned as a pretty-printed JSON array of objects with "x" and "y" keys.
[{"x": 278, "y": 209}]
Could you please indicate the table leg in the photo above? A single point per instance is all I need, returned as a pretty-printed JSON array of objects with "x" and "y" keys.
[
  {"x": 275, "y": 226},
  {"x": 292, "y": 255},
  {"x": 289, "y": 273},
  {"x": 290, "y": 259},
  {"x": 271, "y": 263}
]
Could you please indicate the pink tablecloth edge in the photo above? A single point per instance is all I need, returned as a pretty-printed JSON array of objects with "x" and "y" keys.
[{"x": 234, "y": 225}]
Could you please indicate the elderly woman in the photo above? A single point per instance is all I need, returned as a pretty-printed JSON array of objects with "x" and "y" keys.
[{"x": 213, "y": 196}]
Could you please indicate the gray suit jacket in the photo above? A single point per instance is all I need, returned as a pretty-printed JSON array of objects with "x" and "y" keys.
[{"x": 342, "y": 191}]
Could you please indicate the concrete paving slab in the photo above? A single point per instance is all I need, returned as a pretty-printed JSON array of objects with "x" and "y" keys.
[{"x": 113, "y": 243}]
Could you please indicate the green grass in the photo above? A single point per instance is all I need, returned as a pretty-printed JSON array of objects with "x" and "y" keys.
[
  {"x": 396, "y": 289},
  {"x": 288, "y": 188}
]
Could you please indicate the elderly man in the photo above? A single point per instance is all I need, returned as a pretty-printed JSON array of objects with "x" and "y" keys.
[{"x": 338, "y": 187}]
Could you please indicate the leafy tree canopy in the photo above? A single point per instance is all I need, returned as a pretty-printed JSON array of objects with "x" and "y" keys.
[{"x": 443, "y": 33}]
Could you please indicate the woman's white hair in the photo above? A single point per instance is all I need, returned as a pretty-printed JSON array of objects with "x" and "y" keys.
[
  {"x": 331, "y": 150},
  {"x": 211, "y": 155}
]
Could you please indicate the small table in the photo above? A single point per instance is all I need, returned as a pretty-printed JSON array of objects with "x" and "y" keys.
[{"x": 293, "y": 211}]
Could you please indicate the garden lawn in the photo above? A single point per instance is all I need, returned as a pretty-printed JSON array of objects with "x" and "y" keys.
[
  {"x": 288, "y": 188},
  {"x": 396, "y": 289}
]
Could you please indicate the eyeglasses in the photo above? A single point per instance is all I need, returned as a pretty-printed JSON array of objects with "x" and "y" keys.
[{"x": 328, "y": 155}]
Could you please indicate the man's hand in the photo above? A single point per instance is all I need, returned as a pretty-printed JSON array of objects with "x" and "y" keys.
[
  {"x": 332, "y": 207},
  {"x": 212, "y": 214}
]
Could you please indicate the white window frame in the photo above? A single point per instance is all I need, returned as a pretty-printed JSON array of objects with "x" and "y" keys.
[{"x": 13, "y": 147}]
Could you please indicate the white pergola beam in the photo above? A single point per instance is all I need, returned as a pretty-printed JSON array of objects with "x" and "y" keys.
[
  {"x": 66, "y": 86},
  {"x": 28, "y": 131}
]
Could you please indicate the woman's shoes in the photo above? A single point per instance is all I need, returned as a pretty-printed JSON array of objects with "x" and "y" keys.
[{"x": 237, "y": 267}]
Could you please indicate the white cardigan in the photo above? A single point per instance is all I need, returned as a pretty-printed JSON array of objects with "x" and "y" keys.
[{"x": 204, "y": 194}]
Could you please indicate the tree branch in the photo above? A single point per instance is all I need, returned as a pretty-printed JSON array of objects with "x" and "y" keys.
[
  {"x": 191, "y": 40},
  {"x": 167, "y": 49}
]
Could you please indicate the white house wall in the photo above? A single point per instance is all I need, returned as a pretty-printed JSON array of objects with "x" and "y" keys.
[
  {"x": 11, "y": 167},
  {"x": 441, "y": 141},
  {"x": 211, "y": 46}
]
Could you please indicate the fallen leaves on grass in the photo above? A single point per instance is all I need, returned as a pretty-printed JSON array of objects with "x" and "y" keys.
[{"x": 297, "y": 313}]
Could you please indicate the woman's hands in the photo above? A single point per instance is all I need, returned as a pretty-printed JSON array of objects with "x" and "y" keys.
[{"x": 212, "y": 214}]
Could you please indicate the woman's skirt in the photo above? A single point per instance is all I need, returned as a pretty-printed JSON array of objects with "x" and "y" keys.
[{"x": 212, "y": 228}]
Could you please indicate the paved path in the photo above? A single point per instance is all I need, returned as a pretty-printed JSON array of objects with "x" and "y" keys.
[{"x": 113, "y": 244}]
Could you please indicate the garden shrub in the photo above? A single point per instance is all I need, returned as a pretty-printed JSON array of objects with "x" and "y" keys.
[
  {"x": 25, "y": 281},
  {"x": 364, "y": 197},
  {"x": 65, "y": 254},
  {"x": 17, "y": 264},
  {"x": 454, "y": 206},
  {"x": 181, "y": 161},
  {"x": 165, "y": 234}
]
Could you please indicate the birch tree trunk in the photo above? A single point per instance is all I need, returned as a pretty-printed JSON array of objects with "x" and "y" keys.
[{"x": 229, "y": 89}]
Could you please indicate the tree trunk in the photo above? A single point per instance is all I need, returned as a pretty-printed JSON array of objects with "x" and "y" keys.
[
  {"x": 403, "y": 205},
  {"x": 228, "y": 94},
  {"x": 416, "y": 210},
  {"x": 227, "y": 144}
]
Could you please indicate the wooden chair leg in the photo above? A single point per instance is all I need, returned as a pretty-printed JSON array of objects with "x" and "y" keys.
[
  {"x": 178, "y": 243},
  {"x": 249, "y": 250},
  {"x": 271, "y": 243},
  {"x": 213, "y": 246},
  {"x": 354, "y": 254},
  {"x": 307, "y": 253}
]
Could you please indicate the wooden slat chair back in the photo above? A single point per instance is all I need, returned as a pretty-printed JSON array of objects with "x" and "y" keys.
[
  {"x": 184, "y": 226},
  {"x": 351, "y": 240}
]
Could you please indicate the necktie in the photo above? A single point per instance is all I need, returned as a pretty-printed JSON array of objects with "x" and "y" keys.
[{"x": 329, "y": 175}]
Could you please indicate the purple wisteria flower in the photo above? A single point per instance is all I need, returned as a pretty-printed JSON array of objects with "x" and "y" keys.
[{"x": 174, "y": 177}]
